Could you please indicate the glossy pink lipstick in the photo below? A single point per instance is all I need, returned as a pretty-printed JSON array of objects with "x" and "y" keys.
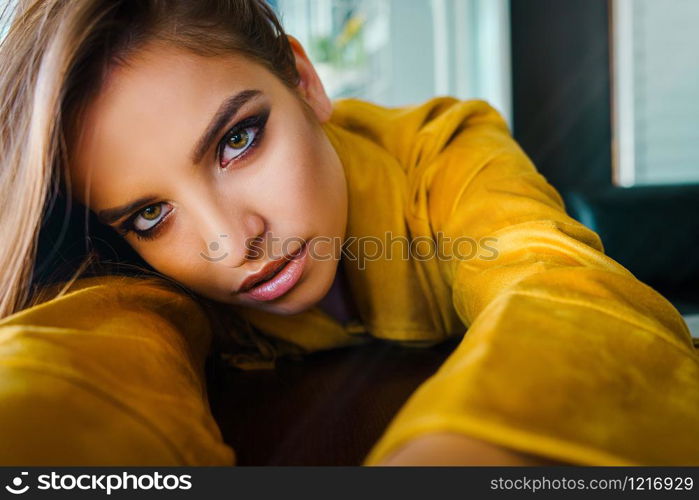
[{"x": 276, "y": 278}]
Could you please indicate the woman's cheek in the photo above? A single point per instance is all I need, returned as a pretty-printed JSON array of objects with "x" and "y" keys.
[{"x": 172, "y": 254}]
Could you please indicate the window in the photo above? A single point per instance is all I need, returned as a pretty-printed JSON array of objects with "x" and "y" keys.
[
  {"x": 398, "y": 52},
  {"x": 656, "y": 92}
]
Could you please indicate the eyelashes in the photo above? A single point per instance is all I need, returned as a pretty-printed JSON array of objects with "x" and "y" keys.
[
  {"x": 237, "y": 143},
  {"x": 147, "y": 223},
  {"x": 154, "y": 213},
  {"x": 239, "y": 140}
]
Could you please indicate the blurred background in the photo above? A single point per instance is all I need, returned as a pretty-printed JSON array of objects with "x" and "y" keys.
[
  {"x": 397, "y": 52},
  {"x": 603, "y": 95}
]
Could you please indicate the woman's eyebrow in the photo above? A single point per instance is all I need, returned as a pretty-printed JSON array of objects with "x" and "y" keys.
[{"x": 225, "y": 113}]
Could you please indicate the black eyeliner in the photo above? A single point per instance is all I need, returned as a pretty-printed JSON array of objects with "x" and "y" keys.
[
  {"x": 128, "y": 226},
  {"x": 258, "y": 121}
]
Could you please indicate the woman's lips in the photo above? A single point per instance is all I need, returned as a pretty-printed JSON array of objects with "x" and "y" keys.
[
  {"x": 283, "y": 279},
  {"x": 267, "y": 272}
]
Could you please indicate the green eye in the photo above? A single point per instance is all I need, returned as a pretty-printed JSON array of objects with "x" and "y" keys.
[
  {"x": 151, "y": 216},
  {"x": 239, "y": 140},
  {"x": 237, "y": 144},
  {"x": 152, "y": 212},
  {"x": 242, "y": 138}
]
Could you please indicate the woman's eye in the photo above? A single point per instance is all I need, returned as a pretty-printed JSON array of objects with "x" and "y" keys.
[
  {"x": 150, "y": 216},
  {"x": 237, "y": 143}
]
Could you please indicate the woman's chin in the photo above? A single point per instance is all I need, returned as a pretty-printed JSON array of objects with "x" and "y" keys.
[{"x": 285, "y": 307}]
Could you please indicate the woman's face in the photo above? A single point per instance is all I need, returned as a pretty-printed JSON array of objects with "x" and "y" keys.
[{"x": 215, "y": 171}]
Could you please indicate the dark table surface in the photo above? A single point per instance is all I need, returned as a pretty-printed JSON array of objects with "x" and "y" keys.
[
  {"x": 330, "y": 407},
  {"x": 327, "y": 408}
]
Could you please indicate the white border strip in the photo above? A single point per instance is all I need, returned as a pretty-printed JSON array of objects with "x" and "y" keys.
[{"x": 623, "y": 125}]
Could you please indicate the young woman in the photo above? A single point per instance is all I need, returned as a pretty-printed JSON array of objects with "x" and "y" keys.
[{"x": 201, "y": 134}]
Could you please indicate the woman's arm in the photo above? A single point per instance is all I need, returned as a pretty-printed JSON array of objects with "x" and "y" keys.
[
  {"x": 566, "y": 355},
  {"x": 109, "y": 374},
  {"x": 457, "y": 449}
]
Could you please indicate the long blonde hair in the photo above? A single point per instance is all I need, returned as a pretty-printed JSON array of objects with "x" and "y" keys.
[{"x": 53, "y": 59}]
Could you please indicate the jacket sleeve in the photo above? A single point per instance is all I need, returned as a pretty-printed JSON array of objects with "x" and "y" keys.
[
  {"x": 566, "y": 355},
  {"x": 111, "y": 373}
]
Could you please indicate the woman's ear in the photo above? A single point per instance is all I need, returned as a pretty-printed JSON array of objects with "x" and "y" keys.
[{"x": 310, "y": 87}]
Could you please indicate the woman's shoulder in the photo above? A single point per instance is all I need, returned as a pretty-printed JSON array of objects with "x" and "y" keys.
[
  {"x": 115, "y": 283},
  {"x": 354, "y": 108},
  {"x": 417, "y": 133},
  {"x": 91, "y": 301}
]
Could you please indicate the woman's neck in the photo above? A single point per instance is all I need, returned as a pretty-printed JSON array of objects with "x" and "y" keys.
[{"x": 338, "y": 301}]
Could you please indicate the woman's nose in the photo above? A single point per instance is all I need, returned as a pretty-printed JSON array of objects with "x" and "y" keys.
[{"x": 235, "y": 244}]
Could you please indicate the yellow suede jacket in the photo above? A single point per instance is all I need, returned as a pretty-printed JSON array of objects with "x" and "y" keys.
[{"x": 565, "y": 355}]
